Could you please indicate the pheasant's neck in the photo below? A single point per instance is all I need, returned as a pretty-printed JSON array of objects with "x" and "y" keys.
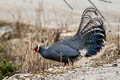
[{"x": 42, "y": 51}]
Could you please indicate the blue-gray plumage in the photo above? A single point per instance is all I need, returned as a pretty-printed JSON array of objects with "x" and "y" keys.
[{"x": 88, "y": 40}]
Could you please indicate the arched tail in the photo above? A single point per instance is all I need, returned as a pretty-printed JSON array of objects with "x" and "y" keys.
[{"x": 92, "y": 32}]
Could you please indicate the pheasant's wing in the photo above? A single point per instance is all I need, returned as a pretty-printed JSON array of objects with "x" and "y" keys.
[
  {"x": 92, "y": 32},
  {"x": 65, "y": 50}
]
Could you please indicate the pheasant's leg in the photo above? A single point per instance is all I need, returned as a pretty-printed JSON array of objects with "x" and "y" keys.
[
  {"x": 69, "y": 63},
  {"x": 65, "y": 64},
  {"x": 72, "y": 64}
]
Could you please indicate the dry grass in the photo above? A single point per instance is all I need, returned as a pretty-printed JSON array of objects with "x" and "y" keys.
[
  {"x": 21, "y": 50},
  {"x": 110, "y": 53},
  {"x": 26, "y": 37}
]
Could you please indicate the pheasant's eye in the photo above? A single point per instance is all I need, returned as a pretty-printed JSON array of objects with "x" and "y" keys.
[{"x": 36, "y": 49}]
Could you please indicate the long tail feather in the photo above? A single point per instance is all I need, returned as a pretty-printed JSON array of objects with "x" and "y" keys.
[{"x": 91, "y": 31}]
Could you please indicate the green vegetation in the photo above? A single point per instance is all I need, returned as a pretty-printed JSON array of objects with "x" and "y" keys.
[
  {"x": 6, "y": 65},
  {"x": 2, "y": 49},
  {"x": 6, "y": 68}
]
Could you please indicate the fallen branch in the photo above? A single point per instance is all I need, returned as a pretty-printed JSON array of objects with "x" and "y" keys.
[
  {"x": 68, "y": 5},
  {"x": 99, "y": 12},
  {"x": 119, "y": 34},
  {"x": 96, "y": 9},
  {"x": 105, "y": 1}
]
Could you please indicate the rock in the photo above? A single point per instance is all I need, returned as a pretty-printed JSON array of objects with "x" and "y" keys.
[
  {"x": 50, "y": 69},
  {"x": 38, "y": 76},
  {"x": 42, "y": 78},
  {"x": 114, "y": 65},
  {"x": 5, "y": 29},
  {"x": 6, "y": 32},
  {"x": 17, "y": 76}
]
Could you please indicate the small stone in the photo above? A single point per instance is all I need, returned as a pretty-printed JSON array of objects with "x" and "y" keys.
[
  {"x": 114, "y": 65},
  {"x": 17, "y": 76},
  {"x": 42, "y": 78},
  {"x": 21, "y": 75},
  {"x": 27, "y": 75},
  {"x": 50, "y": 69},
  {"x": 117, "y": 72},
  {"x": 27, "y": 78}
]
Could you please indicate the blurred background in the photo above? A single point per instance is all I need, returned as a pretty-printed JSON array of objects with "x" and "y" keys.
[{"x": 25, "y": 23}]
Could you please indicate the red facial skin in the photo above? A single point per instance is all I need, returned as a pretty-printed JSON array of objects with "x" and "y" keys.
[{"x": 36, "y": 49}]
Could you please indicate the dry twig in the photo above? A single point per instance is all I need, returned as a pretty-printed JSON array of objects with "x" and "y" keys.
[
  {"x": 99, "y": 12},
  {"x": 119, "y": 34},
  {"x": 106, "y": 1},
  {"x": 68, "y": 5}
]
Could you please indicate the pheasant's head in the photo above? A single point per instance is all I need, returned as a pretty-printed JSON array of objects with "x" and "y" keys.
[
  {"x": 41, "y": 50},
  {"x": 37, "y": 48}
]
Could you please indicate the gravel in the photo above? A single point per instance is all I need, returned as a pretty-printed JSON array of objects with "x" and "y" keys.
[{"x": 105, "y": 72}]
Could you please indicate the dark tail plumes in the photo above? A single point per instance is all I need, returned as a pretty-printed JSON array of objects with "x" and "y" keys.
[{"x": 91, "y": 31}]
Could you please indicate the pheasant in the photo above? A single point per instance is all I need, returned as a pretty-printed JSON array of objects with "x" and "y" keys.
[{"x": 88, "y": 40}]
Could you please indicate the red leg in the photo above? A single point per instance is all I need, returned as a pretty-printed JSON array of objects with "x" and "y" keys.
[
  {"x": 65, "y": 64},
  {"x": 72, "y": 64}
]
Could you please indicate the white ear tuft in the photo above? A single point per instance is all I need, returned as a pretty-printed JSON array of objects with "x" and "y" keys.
[{"x": 38, "y": 45}]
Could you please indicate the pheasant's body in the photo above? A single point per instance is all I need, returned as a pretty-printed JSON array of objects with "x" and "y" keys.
[
  {"x": 64, "y": 50},
  {"x": 88, "y": 40}
]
